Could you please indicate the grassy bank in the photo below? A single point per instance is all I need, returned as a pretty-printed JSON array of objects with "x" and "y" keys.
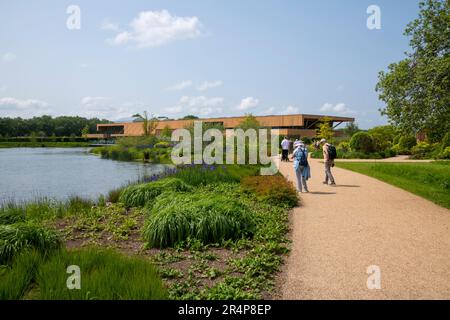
[
  {"x": 428, "y": 180},
  {"x": 209, "y": 232},
  {"x": 44, "y": 144}
]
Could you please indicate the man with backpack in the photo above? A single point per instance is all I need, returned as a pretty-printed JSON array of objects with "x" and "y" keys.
[{"x": 329, "y": 154}]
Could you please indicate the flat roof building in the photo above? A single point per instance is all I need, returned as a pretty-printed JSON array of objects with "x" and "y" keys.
[{"x": 304, "y": 125}]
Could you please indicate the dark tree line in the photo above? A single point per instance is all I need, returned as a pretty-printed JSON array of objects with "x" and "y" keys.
[{"x": 47, "y": 126}]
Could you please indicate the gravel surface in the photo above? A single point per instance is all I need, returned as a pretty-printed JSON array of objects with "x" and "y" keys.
[{"x": 338, "y": 232}]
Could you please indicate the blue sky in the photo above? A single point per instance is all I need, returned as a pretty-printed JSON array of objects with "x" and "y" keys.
[{"x": 203, "y": 57}]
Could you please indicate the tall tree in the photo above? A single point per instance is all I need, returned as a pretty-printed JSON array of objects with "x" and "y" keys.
[
  {"x": 416, "y": 90},
  {"x": 149, "y": 123},
  {"x": 324, "y": 129}
]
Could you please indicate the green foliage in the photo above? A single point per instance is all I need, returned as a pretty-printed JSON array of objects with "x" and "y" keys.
[
  {"x": 249, "y": 122},
  {"x": 324, "y": 130},
  {"x": 189, "y": 117},
  {"x": 19, "y": 236},
  {"x": 416, "y": 89},
  {"x": 114, "y": 195},
  {"x": 106, "y": 275},
  {"x": 196, "y": 175},
  {"x": 444, "y": 154},
  {"x": 350, "y": 129},
  {"x": 275, "y": 190},
  {"x": 424, "y": 150},
  {"x": 344, "y": 146},
  {"x": 362, "y": 142},
  {"x": 166, "y": 132},
  {"x": 142, "y": 194},
  {"x": 405, "y": 144},
  {"x": 17, "y": 277},
  {"x": 47, "y": 126},
  {"x": 429, "y": 180},
  {"x": 162, "y": 144},
  {"x": 205, "y": 215},
  {"x": 383, "y": 137}
]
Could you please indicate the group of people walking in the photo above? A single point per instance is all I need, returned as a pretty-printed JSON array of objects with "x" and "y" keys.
[{"x": 300, "y": 157}]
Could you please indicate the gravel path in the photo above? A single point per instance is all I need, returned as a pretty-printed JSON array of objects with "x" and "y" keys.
[{"x": 338, "y": 232}]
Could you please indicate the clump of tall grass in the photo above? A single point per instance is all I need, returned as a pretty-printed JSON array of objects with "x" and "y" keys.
[
  {"x": 208, "y": 217},
  {"x": 17, "y": 237},
  {"x": 197, "y": 175},
  {"x": 106, "y": 275},
  {"x": 16, "y": 279},
  {"x": 142, "y": 194}
]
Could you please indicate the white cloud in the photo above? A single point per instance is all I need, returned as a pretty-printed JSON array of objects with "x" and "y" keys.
[
  {"x": 209, "y": 84},
  {"x": 18, "y": 104},
  {"x": 84, "y": 65},
  {"x": 290, "y": 110},
  {"x": 180, "y": 86},
  {"x": 247, "y": 103},
  {"x": 199, "y": 105},
  {"x": 109, "y": 26},
  {"x": 103, "y": 107},
  {"x": 13, "y": 107},
  {"x": 157, "y": 28},
  {"x": 8, "y": 57},
  {"x": 339, "y": 108}
]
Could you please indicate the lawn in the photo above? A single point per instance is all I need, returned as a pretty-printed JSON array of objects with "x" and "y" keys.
[{"x": 428, "y": 180}]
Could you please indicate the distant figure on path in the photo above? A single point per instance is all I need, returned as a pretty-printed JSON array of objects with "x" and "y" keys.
[
  {"x": 329, "y": 154},
  {"x": 285, "y": 149},
  {"x": 301, "y": 165}
]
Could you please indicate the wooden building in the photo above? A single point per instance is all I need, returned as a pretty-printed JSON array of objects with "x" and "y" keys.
[{"x": 303, "y": 125}]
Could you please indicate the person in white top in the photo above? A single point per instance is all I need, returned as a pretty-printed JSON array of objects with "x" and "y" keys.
[{"x": 285, "y": 149}]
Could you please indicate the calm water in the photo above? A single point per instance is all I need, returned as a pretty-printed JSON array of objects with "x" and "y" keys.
[{"x": 27, "y": 173}]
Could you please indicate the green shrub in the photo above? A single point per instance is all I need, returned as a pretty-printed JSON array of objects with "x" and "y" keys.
[
  {"x": 275, "y": 190},
  {"x": 141, "y": 194},
  {"x": 209, "y": 217},
  {"x": 405, "y": 143},
  {"x": 162, "y": 144},
  {"x": 19, "y": 236},
  {"x": 344, "y": 146},
  {"x": 113, "y": 196},
  {"x": 444, "y": 154},
  {"x": 362, "y": 142},
  {"x": 422, "y": 150},
  {"x": 445, "y": 143}
]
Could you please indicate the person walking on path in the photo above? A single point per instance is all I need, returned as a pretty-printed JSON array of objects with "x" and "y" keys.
[
  {"x": 329, "y": 154},
  {"x": 285, "y": 149},
  {"x": 301, "y": 166}
]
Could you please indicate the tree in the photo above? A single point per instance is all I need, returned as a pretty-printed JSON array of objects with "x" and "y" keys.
[
  {"x": 149, "y": 124},
  {"x": 324, "y": 130},
  {"x": 189, "y": 117},
  {"x": 166, "y": 132},
  {"x": 416, "y": 90},
  {"x": 249, "y": 122},
  {"x": 85, "y": 131},
  {"x": 350, "y": 129}
]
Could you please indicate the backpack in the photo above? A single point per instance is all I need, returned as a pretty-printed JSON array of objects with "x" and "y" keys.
[
  {"x": 332, "y": 154},
  {"x": 303, "y": 160}
]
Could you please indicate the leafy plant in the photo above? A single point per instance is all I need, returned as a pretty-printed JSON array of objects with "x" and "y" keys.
[
  {"x": 275, "y": 190},
  {"x": 19, "y": 236},
  {"x": 362, "y": 142},
  {"x": 142, "y": 194},
  {"x": 208, "y": 217}
]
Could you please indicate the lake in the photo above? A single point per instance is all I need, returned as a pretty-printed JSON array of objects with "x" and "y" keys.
[{"x": 30, "y": 173}]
